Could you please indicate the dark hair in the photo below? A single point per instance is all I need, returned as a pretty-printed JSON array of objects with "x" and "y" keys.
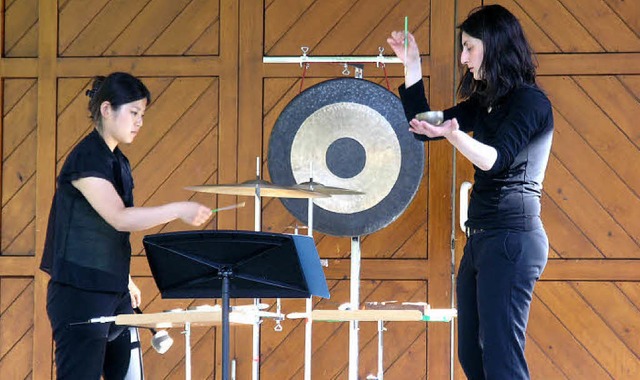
[
  {"x": 508, "y": 58},
  {"x": 116, "y": 88}
]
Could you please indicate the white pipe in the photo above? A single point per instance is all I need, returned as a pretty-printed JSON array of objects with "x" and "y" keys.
[
  {"x": 380, "y": 350},
  {"x": 255, "y": 362},
  {"x": 328, "y": 59},
  {"x": 355, "y": 305},
  {"x": 465, "y": 187},
  {"x": 187, "y": 351}
]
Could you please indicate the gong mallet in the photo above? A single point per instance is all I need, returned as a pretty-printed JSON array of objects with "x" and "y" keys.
[
  {"x": 406, "y": 42},
  {"x": 161, "y": 341}
]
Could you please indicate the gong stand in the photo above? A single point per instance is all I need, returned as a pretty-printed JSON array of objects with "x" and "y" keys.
[{"x": 301, "y": 116}]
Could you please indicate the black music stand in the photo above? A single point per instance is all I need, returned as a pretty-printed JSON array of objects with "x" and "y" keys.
[{"x": 234, "y": 264}]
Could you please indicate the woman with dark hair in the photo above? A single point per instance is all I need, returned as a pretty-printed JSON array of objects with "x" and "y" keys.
[
  {"x": 512, "y": 124},
  {"x": 87, "y": 250}
]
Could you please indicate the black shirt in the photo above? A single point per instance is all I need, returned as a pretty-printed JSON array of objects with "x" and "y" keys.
[
  {"x": 81, "y": 248},
  {"x": 520, "y": 128}
]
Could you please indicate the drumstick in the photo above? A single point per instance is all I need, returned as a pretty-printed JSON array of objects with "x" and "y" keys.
[{"x": 237, "y": 205}]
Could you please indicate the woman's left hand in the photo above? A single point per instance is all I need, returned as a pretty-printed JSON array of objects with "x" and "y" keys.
[
  {"x": 432, "y": 131},
  {"x": 135, "y": 293}
]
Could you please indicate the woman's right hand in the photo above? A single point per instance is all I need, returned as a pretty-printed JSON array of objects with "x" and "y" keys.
[
  {"x": 194, "y": 213},
  {"x": 396, "y": 41}
]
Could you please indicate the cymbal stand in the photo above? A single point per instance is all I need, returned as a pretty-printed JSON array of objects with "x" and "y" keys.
[{"x": 309, "y": 301}]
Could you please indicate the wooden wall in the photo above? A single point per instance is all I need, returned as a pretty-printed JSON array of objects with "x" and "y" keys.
[{"x": 215, "y": 103}]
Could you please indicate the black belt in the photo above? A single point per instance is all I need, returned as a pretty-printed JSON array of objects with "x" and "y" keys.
[{"x": 472, "y": 231}]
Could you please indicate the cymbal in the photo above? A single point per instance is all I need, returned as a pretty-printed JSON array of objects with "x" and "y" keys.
[
  {"x": 267, "y": 189},
  {"x": 329, "y": 190}
]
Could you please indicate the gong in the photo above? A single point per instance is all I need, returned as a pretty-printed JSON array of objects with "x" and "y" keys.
[{"x": 352, "y": 134}]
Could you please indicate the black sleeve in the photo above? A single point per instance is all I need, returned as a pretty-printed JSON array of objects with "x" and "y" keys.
[
  {"x": 83, "y": 163},
  {"x": 415, "y": 101},
  {"x": 529, "y": 112}
]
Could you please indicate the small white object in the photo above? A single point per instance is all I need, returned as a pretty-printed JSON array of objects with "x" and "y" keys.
[{"x": 161, "y": 341}]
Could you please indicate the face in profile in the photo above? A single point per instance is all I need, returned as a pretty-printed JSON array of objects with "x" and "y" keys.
[
  {"x": 121, "y": 125},
  {"x": 472, "y": 55}
]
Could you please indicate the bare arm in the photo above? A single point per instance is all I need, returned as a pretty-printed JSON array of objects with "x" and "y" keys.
[
  {"x": 481, "y": 155},
  {"x": 104, "y": 198}
]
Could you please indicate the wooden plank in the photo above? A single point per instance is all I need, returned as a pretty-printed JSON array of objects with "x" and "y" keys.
[
  {"x": 627, "y": 10},
  {"x": 18, "y": 67},
  {"x": 615, "y": 309},
  {"x": 11, "y": 289},
  {"x": 45, "y": 180},
  {"x": 565, "y": 237},
  {"x": 75, "y": 16},
  {"x": 588, "y": 168},
  {"x": 591, "y": 122},
  {"x": 16, "y": 364},
  {"x": 557, "y": 21},
  {"x": 590, "y": 216},
  {"x": 310, "y": 28},
  {"x": 150, "y": 66},
  {"x": 441, "y": 94},
  {"x": 365, "y": 37},
  {"x": 164, "y": 113},
  {"x": 208, "y": 42},
  {"x": 588, "y": 64},
  {"x": 185, "y": 30},
  {"x": 587, "y": 327},
  {"x": 556, "y": 269},
  {"x": 18, "y": 167},
  {"x": 145, "y": 27},
  {"x": 23, "y": 118},
  {"x": 540, "y": 365},
  {"x": 535, "y": 32},
  {"x": 229, "y": 26},
  {"x": 557, "y": 341},
  {"x": 104, "y": 28},
  {"x": 592, "y": 270},
  {"x": 17, "y": 320},
  {"x": 611, "y": 32},
  {"x": 20, "y": 36},
  {"x": 377, "y": 32},
  {"x": 229, "y": 111},
  {"x": 18, "y": 214},
  {"x": 617, "y": 102}
]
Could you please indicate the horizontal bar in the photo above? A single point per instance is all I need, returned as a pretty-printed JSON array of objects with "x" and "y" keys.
[{"x": 332, "y": 59}]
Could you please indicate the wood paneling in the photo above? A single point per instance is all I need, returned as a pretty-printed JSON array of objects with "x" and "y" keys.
[{"x": 214, "y": 106}]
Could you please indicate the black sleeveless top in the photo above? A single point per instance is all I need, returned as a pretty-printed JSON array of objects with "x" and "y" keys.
[{"x": 81, "y": 248}]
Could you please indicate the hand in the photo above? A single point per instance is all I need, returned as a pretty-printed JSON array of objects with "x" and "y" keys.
[
  {"x": 396, "y": 41},
  {"x": 443, "y": 130},
  {"x": 135, "y": 293},
  {"x": 194, "y": 213}
]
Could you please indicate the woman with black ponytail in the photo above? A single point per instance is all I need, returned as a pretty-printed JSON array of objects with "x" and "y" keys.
[
  {"x": 87, "y": 250},
  {"x": 512, "y": 124}
]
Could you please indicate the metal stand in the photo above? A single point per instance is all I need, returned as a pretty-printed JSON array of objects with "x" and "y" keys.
[
  {"x": 380, "y": 350},
  {"x": 255, "y": 360},
  {"x": 354, "y": 300}
]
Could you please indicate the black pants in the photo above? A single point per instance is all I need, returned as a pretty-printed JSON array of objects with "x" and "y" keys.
[
  {"x": 495, "y": 283},
  {"x": 86, "y": 352}
]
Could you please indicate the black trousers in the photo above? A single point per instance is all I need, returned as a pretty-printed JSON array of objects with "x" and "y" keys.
[
  {"x": 494, "y": 287},
  {"x": 88, "y": 351}
]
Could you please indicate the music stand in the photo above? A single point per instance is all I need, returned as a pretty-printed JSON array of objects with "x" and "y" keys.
[{"x": 234, "y": 264}]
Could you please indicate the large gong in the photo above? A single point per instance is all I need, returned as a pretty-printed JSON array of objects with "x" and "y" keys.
[{"x": 347, "y": 133}]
